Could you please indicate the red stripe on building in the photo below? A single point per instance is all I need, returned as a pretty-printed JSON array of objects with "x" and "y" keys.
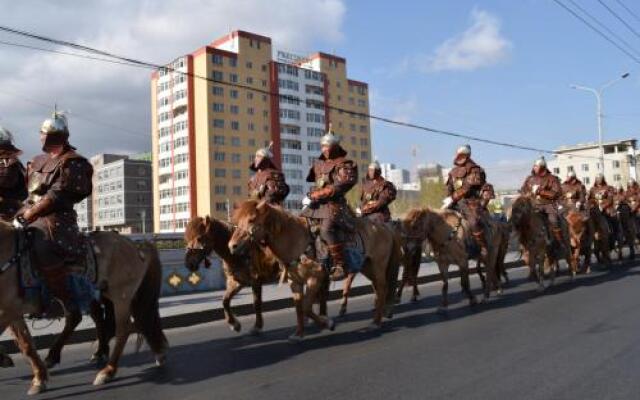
[
  {"x": 275, "y": 112},
  {"x": 191, "y": 122}
]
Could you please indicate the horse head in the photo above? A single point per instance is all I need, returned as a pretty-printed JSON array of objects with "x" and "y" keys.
[
  {"x": 250, "y": 221},
  {"x": 520, "y": 210},
  {"x": 203, "y": 236}
]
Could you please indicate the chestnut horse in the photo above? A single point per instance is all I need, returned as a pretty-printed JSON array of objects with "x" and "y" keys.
[
  {"x": 254, "y": 267},
  {"x": 447, "y": 240},
  {"x": 601, "y": 235},
  {"x": 580, "y": 237},
  {"x": 289, "y": 237},
  {"x": 133, "y": 279}
]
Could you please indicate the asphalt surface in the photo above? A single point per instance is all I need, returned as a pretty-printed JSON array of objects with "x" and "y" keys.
[{"x": 577, "y": 341}]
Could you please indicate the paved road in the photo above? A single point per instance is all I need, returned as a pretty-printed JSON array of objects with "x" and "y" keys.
[{"x": 578, "y": 341}]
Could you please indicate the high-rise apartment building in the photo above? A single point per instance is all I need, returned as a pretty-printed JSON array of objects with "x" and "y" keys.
[{"x": 206, "y": 131}]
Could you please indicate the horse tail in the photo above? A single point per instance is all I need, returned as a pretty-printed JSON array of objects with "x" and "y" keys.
[
  {"x": 145, "y": 307},
  {"x": 393, "y": 268}
]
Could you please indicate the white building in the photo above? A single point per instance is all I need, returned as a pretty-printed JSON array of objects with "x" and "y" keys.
[
  {"x": 398, "y": 176},
  {"x": 584, "y": 159}
]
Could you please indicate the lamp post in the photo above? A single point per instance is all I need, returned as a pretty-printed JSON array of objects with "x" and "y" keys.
[{"x": 598, "y": 94}]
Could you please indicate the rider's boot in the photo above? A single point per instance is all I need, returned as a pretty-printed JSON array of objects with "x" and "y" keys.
[
  {"x": 482, "y": 243},
  {"x": 338, "y": 271},
  {"x": 56, "y": 282},
  {"x": 559, "y": 239}
]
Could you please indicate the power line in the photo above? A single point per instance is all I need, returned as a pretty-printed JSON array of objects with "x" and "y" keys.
[
  {"x": 153, "y": 66},
  {"x": 629, "y": 10},
  {"x": 619, "y": 18},
  {"x": 79, "y": 116},
  {"x": 605, "y": 27},
  {"x": 598, "y": 31}
]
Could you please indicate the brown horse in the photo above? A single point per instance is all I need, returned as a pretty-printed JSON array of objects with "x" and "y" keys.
[
  {"x": 601, "y": 235},
  {"x": 531, "y": 228},
  {"x": 289, "y": 237},
  {"x": 254, "y": 269},
  {"x": 447, "y": 240},
  {"x": 627, "y": 236},
  {"x": 580, "y": 238},
  {"x": 132, "y": 278},
  {"x": 412, "y": 249},
  {"x": 254, "y": 266}
]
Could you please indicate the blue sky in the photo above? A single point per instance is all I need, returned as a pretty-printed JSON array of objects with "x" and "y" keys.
[
  {"x": 512, "y": 83},
  {"x": 524, "y": 97}
]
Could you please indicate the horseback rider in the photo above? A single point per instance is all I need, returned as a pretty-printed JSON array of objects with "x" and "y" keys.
[
  {"x": 377, "y": 194},
  {"x": 464, "y": 183},
  {"x": 13, "y": 183},
  {"x": 602, "y": 196},
  {"x": 545, "y": 190},
  {"x": 334, "y": 175},
  {"x": 574, "y": 193},
  {"x": 268, "y": 183},
  {"x": 57, "y": 180},
  {"x": 633, "y": 196}
]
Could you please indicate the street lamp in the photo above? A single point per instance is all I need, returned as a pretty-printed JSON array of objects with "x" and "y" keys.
[{"x": 598, "y": 94}]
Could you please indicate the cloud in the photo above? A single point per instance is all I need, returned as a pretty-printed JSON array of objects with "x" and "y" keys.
[
  {"x": 151, "y": 30},
  {"x": 481, "y": 45}
]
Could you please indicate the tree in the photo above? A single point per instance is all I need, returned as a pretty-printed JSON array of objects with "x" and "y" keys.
[{"x": 432, "y": 193}]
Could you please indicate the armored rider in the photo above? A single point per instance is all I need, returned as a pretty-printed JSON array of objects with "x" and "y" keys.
[
  {"x": 545, "y": 190},
  {"x": 602, "y": 196},
  {"x": 57, "y": 180},
  {"x": 334, "y": 175},
  {"x": 377, "y": 195},
  {"x": 464, "y": 184},
  {"x": 13, "y": 183},
  {"x": 574, "y": 193},
  {"x": 268, "y": 183}
]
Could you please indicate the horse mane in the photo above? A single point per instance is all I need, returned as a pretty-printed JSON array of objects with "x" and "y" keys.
[
  {"x": 438, "y": 230},
  {"x": 217, "y": 231},
  {"x": 276, "y": 219},
  {"x": 522, "y": 227},
  {"x": 575, "y": 221}
]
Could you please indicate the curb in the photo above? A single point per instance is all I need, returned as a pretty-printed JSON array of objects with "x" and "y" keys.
[{"x": 217, "y": 314}]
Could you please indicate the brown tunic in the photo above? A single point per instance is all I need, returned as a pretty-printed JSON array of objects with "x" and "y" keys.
[
  {"x": 269, "y": 184},
  {"x": 59, "y": 183},
  {"x": 466, "y": 181},
  {"x": 377, "y": 195},
  {"x": 573, "y": 191},
  {"x": 13, "y": 185},
  {"x": 549, "y": 188},
  {"x": 602, "y": 196}
]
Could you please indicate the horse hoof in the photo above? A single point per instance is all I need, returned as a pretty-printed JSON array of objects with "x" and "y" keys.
[
  {"x": 295, "y": 338},
  {"x": 342, "y": 312},
  {"x": 374, "y": 326},
  {"x": 255, "y": 331},
  {"x": 103, "y": 378},
  {"x": 161, "y": 360},
  {"x": 235, "y": 327},
  {"x": 37, "y": 388},
  {"x": 331, "y": 325},
  {"x": 99, "y": 359}
]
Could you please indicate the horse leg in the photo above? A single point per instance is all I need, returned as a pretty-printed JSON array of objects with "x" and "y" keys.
[
  {"x": 256, "y": 288},
  {"x": 102, "y": 315},
  {"x": 122, "y": 311},
  {"x": 233, "y": 287},
  {"x": 71, "y": 321},
  {"x": 5, "y": 360},
  {"x": 298, "y": 300},
  {"x": 25, "y": 342},
  {"x": 480, "y": 274},
  {"x": 345, "y": 294},
  {"x": 444, "y": 275},
  {"x": 401, "y": 286},
  {"x": 380, "y": 289},
  {"x": 314, "y": 288}
]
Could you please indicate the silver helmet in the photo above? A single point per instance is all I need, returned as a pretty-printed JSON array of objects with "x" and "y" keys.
[
  {"x": 6, "y": 137},
  {"x": 375, "y": 165},
  {"x": 464, "y": 150},
  {"x": 57, "y": 124},
  {"x": 266, "y": 152},
  {"x": 330, "y": 139},
  {"x": 540, "y": 162}
]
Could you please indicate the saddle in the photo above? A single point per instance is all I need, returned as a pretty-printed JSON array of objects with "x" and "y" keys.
[{"x": 82, "y": 273}]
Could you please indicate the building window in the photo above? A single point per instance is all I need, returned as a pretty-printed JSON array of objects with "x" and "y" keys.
[
  {"x": 233, "y": 78},
  {"x": 216, "y": 59},
  {"x": 233, "y": 62},
  {"x": 249, "y": 80},
  {"x": 291, "y": 114},
  {"x": 291, "y": 159},
  {"x": 617, "y": 178},
  {"x": 221, "y": 206},
  {"x": 233, "y": 94},
  {"x": 616, "y": 164},
  {"x": 236, "y": 174},
  {"x": 586, "y": 180},
  {"x": 220, "y": 189},
  {"x": 218, "y": 156},
  {"x": 252, "y": 142},
  {"x": 235, "y": 158},
  {"x": 218, "y": 107},
  {"x": 235, "y": 125},
  {"x": 288, "y": 84},
  {"x": 251, "y": 126},
  {"x": 218, "y": 139},
  {"x": 584, "y": 167},
  {"x": 235, "y": 141},
  {"x": 218, "y": 90},
  {"x": 291, "y": 144},
  {"x": 556, "y": 171},
  {"x": 237, "y": 190},
  {"x": 220, "y": 173},
  {"x": 249, "y": 64},
  {"x": 217, "y": 76},
  {"x": 570, "y": 168},
  {"x": 313, "y": 146},
  {"x": 250, "y": 111},
  {"x": 234, "y": 109},
  {"x": 218, "y": 123}
]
